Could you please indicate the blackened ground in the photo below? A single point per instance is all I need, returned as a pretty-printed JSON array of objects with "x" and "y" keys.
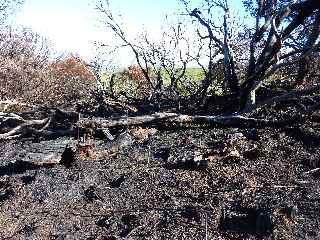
[{"x": 151, "y": 190}]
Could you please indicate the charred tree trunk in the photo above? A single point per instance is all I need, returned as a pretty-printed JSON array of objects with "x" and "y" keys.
[
  {"x": 230, "y": 76},
  {"x": 231, "y": 81},
  {"x": 270, "y": 54}
]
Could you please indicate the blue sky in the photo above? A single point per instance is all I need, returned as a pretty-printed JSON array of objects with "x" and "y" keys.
[{"x": 72, "y": 25}]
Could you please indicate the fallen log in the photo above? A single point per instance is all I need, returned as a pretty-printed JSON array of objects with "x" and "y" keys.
[
  {"x": 20, "y": 127},
  {"x": 175, "y": 118}
]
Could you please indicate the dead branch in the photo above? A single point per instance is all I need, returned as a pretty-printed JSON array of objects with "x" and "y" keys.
[
  {"x": 10, "y": 116},
  {"x": 27, "y": 126},
  {"x": 111, "y": 102},
  {"x": 312, "y": 171}
]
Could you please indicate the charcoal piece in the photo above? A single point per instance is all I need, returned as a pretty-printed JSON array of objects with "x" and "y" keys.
[
  {"x": 68, "y": 157},
  {"x": 116, "y": 183},
  {"x": 104, "y": 222},
  {"x": 28, "y": 179},
  {"x": 191, "y": 214},
  {"x": 130, "y": 221},
  {"x": 6, "y": 194},
  {"x": 163, "y": 153},
  {"x": 246, "y": 220},
  {"x": 91, "y": 194}
]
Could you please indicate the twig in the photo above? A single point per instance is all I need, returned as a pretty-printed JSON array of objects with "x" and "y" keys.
[
  {"x": 206, "y": 225},
  {"x": 312, "y": 171}
]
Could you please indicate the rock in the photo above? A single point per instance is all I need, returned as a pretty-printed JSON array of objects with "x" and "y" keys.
[
  {"x": 28, "y": 179},
  {"x": 124, "y": 139},
  {"x": 6, "y": 194},
  {"x": 202, "y": 164},
  {"x": 237, "y": 220},
  {"x": 236, "y": 136},
  {"x": 314, "y": 161},
  {"x": 191, "y": 160},
  {"x": 20, "y": 166},
  {"x": 130, "y": 221},
  {"x": 142, "y": 134},
  {"x": 85, "y": 151},
  {"x": 104, "y": 222}
]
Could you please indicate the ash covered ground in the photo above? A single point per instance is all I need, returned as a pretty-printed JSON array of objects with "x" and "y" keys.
[{"x": 257, "y": 183}]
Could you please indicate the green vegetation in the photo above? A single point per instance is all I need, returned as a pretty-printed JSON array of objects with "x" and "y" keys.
[{"x": 192, "y": 76}]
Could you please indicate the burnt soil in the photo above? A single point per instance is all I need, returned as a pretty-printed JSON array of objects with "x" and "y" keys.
[{"x": 253, "y": 184}]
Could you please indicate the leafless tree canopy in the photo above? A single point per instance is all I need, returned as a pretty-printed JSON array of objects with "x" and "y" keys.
[
  {"x": 276, "y": 37},
  {"x": 241, "y": 57}
]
